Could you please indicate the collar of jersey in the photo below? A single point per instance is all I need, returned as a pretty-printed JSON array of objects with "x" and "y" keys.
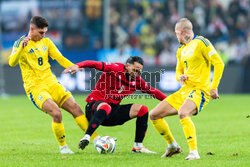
[{"x": 194, "y": 37}]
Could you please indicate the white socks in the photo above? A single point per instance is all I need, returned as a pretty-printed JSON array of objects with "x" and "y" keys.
[
  {"x": 61, "y": 147},
  {"x": 138, "y": 145},
  {"x": 195, "y": 152},
  {"x": 173, "y": 145},
  {"x": 86, "y": 137}
]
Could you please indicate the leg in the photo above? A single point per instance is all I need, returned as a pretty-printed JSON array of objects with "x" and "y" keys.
[
  {"x": 141, "y": 112},
  {"x": 103, "y": 110},
  {"x": 164, "y": 109},
  {"x": 185, "y": 112},
  {"x": 73, "y": 108},
  {"x": 53, "y": 110}
]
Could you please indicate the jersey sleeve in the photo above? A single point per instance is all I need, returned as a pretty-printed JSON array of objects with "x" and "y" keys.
[
  {"x": 146, "y": 88},
  {"x": 210, "y": 54},
  {"x": 102, "y": 66},
  {"x": 113, "y": 67},
  {"x": 55, "y": 54},
  {"x": 16, "y": 52},
  {"x": 179, "y": 69}
]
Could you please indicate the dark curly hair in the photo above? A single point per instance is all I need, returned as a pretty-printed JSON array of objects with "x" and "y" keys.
[{"x": 133, "y": 59}]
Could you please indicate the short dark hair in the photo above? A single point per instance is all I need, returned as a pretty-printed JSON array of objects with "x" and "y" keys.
[
  {"x": 133, "y": 59},
  {"x": 39, "y": 21}
]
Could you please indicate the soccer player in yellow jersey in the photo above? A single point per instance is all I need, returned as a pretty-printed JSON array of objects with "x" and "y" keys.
[
  {"x": 193, "y": 69},
  {"x": 42, "y": 88}
]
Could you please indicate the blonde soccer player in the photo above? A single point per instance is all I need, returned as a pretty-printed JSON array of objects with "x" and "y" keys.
[
  {"x": 32, "y": 52},
  {"x": 193, "y": 69}
]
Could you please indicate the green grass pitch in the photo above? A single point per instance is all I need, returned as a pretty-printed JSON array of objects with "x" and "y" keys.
[{"x": 223, "y": 129}]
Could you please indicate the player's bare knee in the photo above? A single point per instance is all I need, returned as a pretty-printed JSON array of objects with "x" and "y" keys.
[
  {"x": 152, "y": 115},
  {"x": 183, "y": 114},
  {"x": 57, "y": 116},
  {"x": 77, "y": 111},
  {"x": 103, "y": 105}
]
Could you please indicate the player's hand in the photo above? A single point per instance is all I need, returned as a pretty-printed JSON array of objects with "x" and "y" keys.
[
  {"x": 72, "y": 69},
  {"x": 214, "y": 94},
  {"x": 26, "y": 41},
  {"x": 183, "y": 78}
]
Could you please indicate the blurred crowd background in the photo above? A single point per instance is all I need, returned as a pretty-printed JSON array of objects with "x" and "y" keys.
[
  {"x": 113, "y": 30},
  {"x": 139, "y": 27},
  {"x": 149, "y": 26}
]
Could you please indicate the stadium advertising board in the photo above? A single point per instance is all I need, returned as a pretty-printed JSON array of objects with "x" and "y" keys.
[{"x": 159, "y": 77}]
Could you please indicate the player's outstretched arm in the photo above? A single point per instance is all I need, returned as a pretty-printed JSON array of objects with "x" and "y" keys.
[
  {"x": 72, "y": 69},
  {"x": 91, "y": 64},
  {"x": 102, "y": 66},
  {"x": 156, "y": 93},
  {"x": 84, "y": 64},
  {"x": 146, "y": 88},
  {"x": 55, "y": 54}
]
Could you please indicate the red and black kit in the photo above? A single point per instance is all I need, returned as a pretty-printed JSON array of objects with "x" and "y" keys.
[{"x": 111, "y": 88}]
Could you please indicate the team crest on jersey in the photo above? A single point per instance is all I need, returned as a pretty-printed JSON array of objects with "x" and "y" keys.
[
  {"x": 40, "y": 97},
  {"x": 45, "y": 48}
]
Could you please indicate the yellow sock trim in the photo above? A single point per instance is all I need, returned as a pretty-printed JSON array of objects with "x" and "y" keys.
[
  {"x": 83, "y": 123},
  {"x": 190, "y": 133},
  {"x": 162, "y": 128},
  {"x": 59, "y": 133}
]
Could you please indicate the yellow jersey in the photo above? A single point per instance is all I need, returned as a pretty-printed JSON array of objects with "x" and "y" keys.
[
  {"x": 33, "y": 61},
  {"x": 194, "y": 61}
]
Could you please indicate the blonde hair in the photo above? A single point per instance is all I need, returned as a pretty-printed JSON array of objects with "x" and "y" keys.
[{"x": 185, "y": 24}]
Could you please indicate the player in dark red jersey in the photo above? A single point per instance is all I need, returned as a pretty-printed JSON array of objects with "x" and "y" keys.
[{"x": 116, "y": 82}]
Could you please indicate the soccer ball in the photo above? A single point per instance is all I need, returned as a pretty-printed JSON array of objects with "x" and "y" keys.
[{"x": 105, "y": 145}]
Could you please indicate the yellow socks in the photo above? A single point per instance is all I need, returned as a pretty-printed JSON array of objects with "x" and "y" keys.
[
  {"x": 59, "y": 133},
  {"x": 189, "y": 131},
  {"x": 188, "y": 127},
  {"x": 162, "y": 128},
  {"x": 83, "y": 123}
]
